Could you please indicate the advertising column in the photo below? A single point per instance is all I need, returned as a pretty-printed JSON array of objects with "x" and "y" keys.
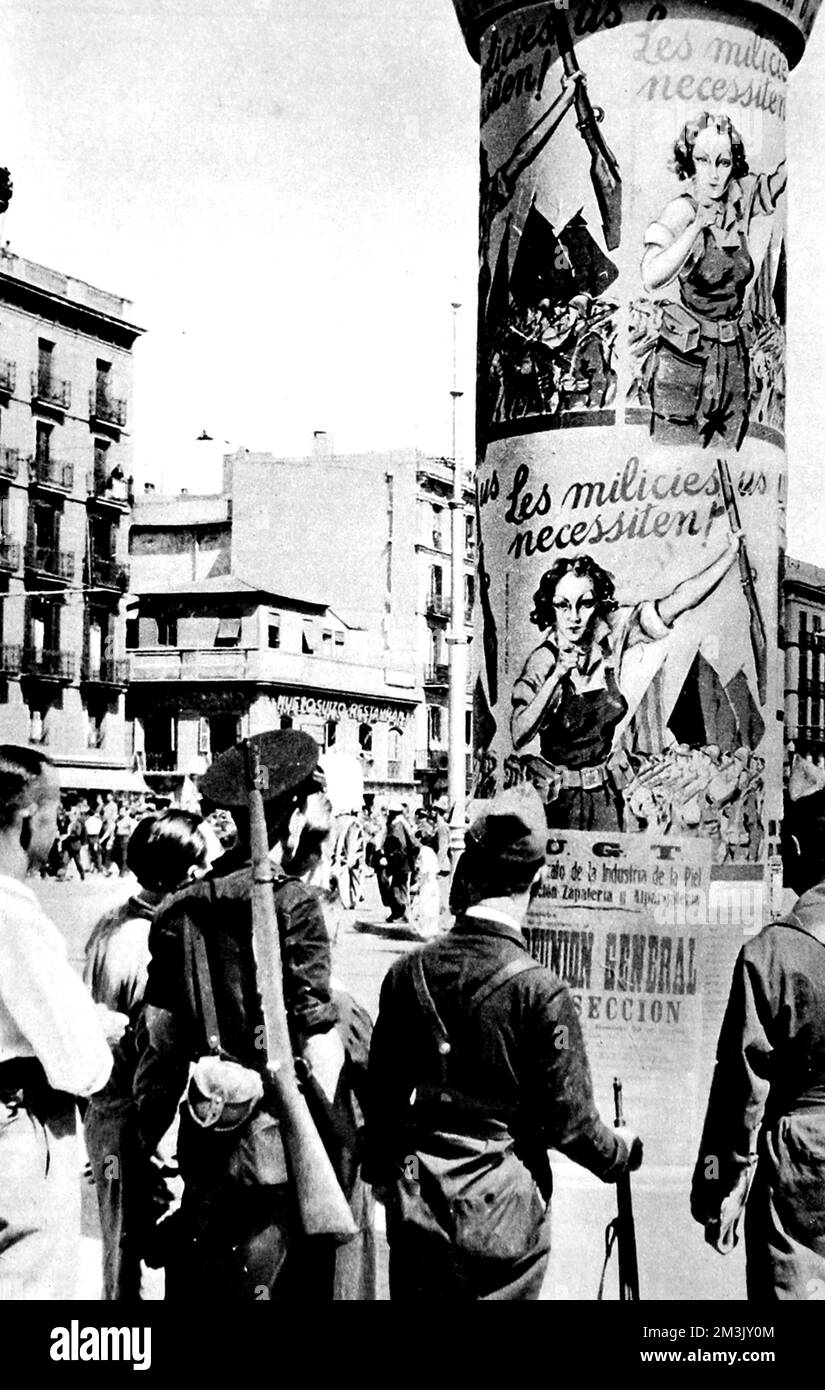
[{"x": 631, "y": 492}]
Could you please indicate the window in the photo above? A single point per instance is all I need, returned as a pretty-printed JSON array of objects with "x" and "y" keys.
[
  {"x": 274, "y": 631},
  {"x": 286, "y": 721},
  {"x": 394, "y": 754},
  {"x": 468, "y": 728},
  {"x": 102, "y": 371},
  {"x": 435, "y": 586},
  {"x": 229, "y": 632},
  {"x": 101, "y": 465},
  {"x": 339, "y": 638},
  {"x": 45, "y": 358},
  {"x": 326, "y": 641},
  {"x": 167, "y": 631},
  {"x": 203, "y": 737},
  {"x": 38, "y": 722},
  {"x": 435, "y": 723},
  {"x": 469, "y": 533},
  {"x": 102, "y": 536},
  {"x": 308, "y": 639},
  {"x": 469, "y": 596},
  {"x": 96, "y": 711},
  {"x": 437, "y": 531},
  {"x": 132, "y": 632},
  {"x": 42, "y": 446},
  {"x": 330, "y": 733},
  {"x": 365, "y": 738}
]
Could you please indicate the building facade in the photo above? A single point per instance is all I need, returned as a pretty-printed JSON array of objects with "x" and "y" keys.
[
  {"x": 351, "y": 555},
  {"x": 215, "y": 660},
  {"x": 804, "y": 641},
  {"x": 65, "y": 496}
]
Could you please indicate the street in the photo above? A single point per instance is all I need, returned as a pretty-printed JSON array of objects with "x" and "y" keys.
[{"x": 674, "y": 1262}]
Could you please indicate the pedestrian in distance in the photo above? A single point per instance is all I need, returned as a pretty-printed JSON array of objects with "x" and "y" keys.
[
  {"x": 94, "y": 826},
  {"x": 54, "y": 1048},
  {"x": 395, "y": 866},
  {"x": 477, "y": 1069}
]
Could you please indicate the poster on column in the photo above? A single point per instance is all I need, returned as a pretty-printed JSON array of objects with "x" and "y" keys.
[
  {"x": 630, "y": 418},
  {"x": 623, "y": 926}
]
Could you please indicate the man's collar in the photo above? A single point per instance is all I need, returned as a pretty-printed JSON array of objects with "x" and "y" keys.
[{"x": 496, "y": 922}]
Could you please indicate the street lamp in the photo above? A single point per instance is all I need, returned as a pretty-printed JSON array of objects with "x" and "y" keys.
[{"x": 457, "y": 638}]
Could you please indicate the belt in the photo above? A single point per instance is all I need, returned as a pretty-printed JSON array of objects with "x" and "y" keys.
[
  {"x": 588, "y": 778},
  {"x": 716, "y": 330}
]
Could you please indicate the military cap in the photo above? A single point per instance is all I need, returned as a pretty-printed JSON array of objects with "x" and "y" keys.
[
  {"x": 511, "y": 832},
  {"x": 289, "y": 757}
]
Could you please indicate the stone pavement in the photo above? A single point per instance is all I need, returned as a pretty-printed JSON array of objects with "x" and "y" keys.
[{"x": 674, "y": 1262}]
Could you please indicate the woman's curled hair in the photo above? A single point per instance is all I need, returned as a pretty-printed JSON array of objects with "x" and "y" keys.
[
  {"x": 683, "y": 162},
  {"x": 604, "y": 588}
]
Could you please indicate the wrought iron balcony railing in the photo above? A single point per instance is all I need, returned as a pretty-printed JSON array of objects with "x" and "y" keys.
[
  {"x": 11, "y": 659},
  {"x": 9, "y": 553},
  {"x": 438, "y": 606},
  {"x": 9, "y": 463},
  {"x": 111, "y": 487},
  {"x": 108, "y": 410},
  {"x": 439, "y": 674},
  {"x": 58, "y": 564},
  {"x": 49, "y": 664},
  {"x": 109, "y": 671},
  {"x": 50, "y": 390},
  {"x": 8, "y": 376},
  {"x": 108, "y": 573},
  {"x": 52, "y": 473}
]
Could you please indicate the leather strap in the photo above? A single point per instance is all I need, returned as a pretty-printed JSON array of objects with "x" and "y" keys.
[
  {"x": 493, "y": 982},
  {"x": 199, "y": 975}
]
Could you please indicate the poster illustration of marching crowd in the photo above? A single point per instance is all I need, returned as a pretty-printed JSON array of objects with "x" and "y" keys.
[{"x": 630, "y": 417}]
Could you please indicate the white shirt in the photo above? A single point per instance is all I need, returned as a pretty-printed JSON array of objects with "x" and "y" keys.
[
  {"x": 494, "y": 914},
  {"x": 45, "y": 1009}
]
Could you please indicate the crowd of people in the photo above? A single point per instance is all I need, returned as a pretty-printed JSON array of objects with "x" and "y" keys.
[{"x": 444, "y": 1110}]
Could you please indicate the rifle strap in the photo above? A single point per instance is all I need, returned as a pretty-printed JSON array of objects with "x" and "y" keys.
[
  {"x": 611, "y": 1235},
  {"x": 493, "y": 982},
  {"x": 199, "y": 977}
]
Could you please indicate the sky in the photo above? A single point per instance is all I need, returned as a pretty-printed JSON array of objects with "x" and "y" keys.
[{"x": 287, "y": 191}]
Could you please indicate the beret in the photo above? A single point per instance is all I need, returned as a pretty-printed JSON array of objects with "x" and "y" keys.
[{"x": 289, "y": 757}]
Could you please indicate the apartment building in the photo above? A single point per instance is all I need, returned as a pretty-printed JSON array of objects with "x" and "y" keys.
[{"x": 65, "y": 496}]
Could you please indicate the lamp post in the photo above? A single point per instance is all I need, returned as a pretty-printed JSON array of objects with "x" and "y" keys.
[{"x": 457, "y": 636}]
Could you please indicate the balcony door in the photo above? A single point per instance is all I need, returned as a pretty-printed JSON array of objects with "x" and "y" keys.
[{"x": 224, "y": 732}]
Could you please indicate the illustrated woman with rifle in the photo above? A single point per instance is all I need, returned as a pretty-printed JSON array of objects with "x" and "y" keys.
[
  {"x": 699, "y": 371},
  {"x": 572, "y": 694}
]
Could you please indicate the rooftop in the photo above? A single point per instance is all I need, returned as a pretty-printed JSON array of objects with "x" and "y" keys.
[{"x": 54, "y": 282}]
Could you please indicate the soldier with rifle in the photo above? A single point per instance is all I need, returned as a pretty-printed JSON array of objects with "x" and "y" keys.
[
  {"x": 477, "y": 1068},
  {"x": 241, "y": 1019}
]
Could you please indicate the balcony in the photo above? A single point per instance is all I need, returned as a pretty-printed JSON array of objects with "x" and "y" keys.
[
  {"x": 109, "y": 671},
  {"x": 112, "y": 488},
  {"x": 8, "y": 376},
  {"x": 9, "y": 553},
  {"x": 105, "y": 409},
  {"x": 108, "y": 574},
  {"x": 49, "y": 665},
  {"x": 11, "y": 659},
  {"x": 263, "y": 666},
  {"x": 50, "y": 391},
  {"x": 43, "y": 559},
  {"x": 161, "y": 762},
  {"x": 437, "y": 675},
  {"x": 437, "y": 606},
  {"x": 9, "y": 463},
  {"x": 52, "y": 474}
]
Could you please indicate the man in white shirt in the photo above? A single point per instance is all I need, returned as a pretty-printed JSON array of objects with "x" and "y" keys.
[{"x": 53, "y": 1048}]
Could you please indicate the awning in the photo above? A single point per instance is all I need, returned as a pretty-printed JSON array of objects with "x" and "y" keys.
[
  {"x": 101, "y": 779},
  {"x": 229, "y": 630}
]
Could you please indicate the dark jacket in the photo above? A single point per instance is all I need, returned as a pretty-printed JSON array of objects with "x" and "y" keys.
[
  {"x": 221, "y": 909},
  {"x": 517, "y": 1060}
]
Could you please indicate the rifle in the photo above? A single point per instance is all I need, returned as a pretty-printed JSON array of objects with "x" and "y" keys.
[
  {"x": 604, "y": 167},
  {"x": 622, "y": 1229},
  {"x": 489, "y": 635},
  {"x": 323, "y": 1208},
  {"x": 759, "y": 642}
]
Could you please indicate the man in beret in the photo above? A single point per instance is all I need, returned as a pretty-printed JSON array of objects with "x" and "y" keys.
[
  {"x": 477, "y": 1068},
  {"x": 238, "y": 1234}
]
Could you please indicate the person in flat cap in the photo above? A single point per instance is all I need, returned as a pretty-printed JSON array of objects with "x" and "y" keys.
[
  {"x": 237, "y": 1233},
  {"x": 761, "y": 1162},
  {"x": 477, "y": 1069}
]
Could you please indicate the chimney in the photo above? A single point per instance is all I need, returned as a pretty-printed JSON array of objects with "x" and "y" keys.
[{"x": 322, "y": 446}]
